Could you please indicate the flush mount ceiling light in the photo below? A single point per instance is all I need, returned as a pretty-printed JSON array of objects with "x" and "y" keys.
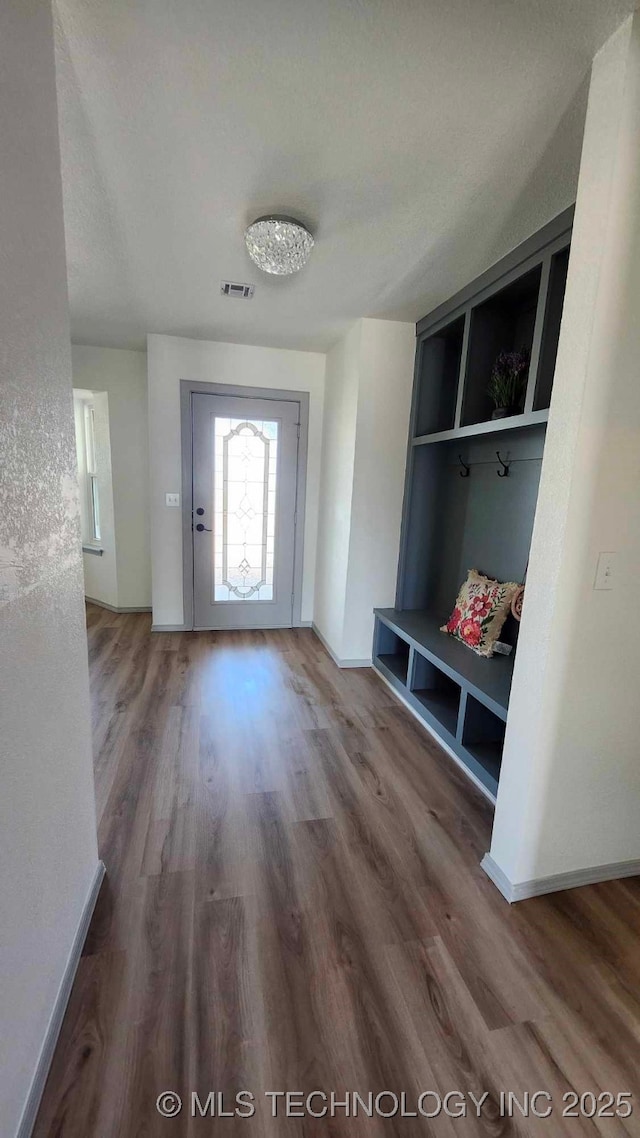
[{"x": 278, "y": 244}]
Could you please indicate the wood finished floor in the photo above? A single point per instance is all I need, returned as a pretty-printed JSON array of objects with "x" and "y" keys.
[{"x": 294, "y": 902}]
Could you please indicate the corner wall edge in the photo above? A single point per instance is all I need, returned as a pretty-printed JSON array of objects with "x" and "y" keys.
[
  {"x": 45, "y": 1058},
  {"x": 554, "y": 883},
  {"x": 364, "y": 663}
]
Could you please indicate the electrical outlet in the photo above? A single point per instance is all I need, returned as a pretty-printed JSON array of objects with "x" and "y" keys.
[
  {"x": 172, "y": 500},
  {"x": 606, "y": 571}
]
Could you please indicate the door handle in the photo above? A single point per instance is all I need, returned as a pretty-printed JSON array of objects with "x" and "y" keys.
[{"x": 201, "y": 529}]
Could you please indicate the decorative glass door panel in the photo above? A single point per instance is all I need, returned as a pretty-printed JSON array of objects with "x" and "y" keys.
[
  {"x": 244, "y": 495},
  {"x": 245, "y": 454}
]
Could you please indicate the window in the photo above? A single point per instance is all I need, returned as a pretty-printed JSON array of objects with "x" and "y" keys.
[
  {"x": 245, "y": 469},
  {"x": 92, "y": 474}
]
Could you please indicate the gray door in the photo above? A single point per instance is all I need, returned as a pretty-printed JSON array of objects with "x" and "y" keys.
[{"x": 245, "y": 459}]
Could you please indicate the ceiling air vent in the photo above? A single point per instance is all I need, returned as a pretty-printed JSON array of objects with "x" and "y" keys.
[{"x": 243, "y": 291}]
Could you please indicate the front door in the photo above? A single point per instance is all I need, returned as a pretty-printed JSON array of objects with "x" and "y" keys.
[{"x": 245, "y": 460}]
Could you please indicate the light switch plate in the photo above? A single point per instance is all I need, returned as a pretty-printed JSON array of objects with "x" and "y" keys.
[
  {"x": 172, "y": 500},
  {"x": 606, "y": 570}
]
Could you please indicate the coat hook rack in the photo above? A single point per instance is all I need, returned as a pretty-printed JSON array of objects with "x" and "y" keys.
[
  {"x": 505, "y": 467},
  {"x": 466, "y": 470}
]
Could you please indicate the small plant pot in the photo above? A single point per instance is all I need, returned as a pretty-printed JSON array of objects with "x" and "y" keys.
[{"x": 501, "y": 413}]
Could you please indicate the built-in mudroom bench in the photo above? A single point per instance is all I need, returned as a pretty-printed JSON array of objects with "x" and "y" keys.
[{"x": 470, "y": 494}]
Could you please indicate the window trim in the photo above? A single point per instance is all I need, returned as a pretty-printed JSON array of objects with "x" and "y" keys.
[{"x": 92, "y": 479}]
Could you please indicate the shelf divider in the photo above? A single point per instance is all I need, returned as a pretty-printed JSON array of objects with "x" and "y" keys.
[
  {"x": 464, "y": 355},
  {"x": 534, "y": 362}
]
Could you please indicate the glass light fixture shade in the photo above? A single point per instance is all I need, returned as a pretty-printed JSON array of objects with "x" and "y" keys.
[{"x": 279, "y": 245}]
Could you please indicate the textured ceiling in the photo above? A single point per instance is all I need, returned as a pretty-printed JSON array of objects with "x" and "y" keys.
[{"x": 420, "y": 139}]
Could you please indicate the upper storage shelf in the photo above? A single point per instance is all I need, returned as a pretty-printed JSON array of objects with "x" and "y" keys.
[
  {"x": 504, "y": 322},
  {"x": 439, "y": 362},
  {"x": 551, "y": 328},
  {"x": 515, "y": 306}
]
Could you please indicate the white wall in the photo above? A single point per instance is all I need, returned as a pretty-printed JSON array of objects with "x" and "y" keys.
[
  {"x": 336, "y": 486},
  {"x": 172, "y": 358},
  {"x": 123, "y": 376},
  {"x": 100, "y": 572},
  {"x": 569, "y": 795},
  {"x": 387, "y": 352},
  {"x": 48, "y": 853},
  {"x": 369, "y": 381}
]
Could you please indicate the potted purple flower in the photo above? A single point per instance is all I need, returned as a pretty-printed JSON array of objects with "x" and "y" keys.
[{"x": 508, "y": 383}]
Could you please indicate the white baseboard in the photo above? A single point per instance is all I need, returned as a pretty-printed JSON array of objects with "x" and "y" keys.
[
  {"x": 366, "y": 663},
  {"x": 32, "y": 1104},
  {"x": 434, "y": 735},
  {"x": 188, "y": 628},
  {"x": 113, "y": 608},
  {"x": 500, "y": 879},
  {"x": 574, "y": 879}
]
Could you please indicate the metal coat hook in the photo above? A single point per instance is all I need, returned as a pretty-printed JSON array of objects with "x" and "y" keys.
[
  {"x": 505, "y": 467},
  {"x": 466, "y": 470}
]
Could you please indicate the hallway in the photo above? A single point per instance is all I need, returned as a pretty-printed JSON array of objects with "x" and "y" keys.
[{"x": 294, "y": 902}]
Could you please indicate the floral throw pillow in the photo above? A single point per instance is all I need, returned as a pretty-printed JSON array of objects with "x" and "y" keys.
[{"x": 480, "y": 611}]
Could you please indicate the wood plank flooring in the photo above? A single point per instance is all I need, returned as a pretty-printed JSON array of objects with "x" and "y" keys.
[{"x": 294, "y": 902}]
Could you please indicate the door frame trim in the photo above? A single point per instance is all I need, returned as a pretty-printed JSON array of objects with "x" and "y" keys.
[{"x": 189, "y": 387}]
